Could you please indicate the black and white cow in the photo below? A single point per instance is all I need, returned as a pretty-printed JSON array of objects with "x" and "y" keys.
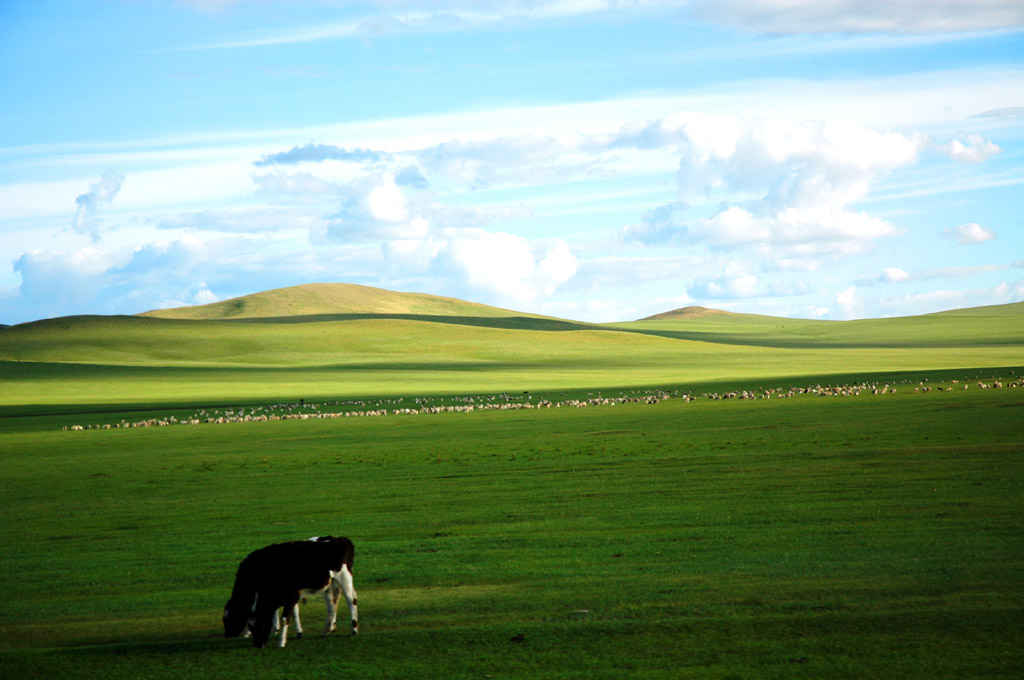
[{"x": 273, "y": 579}]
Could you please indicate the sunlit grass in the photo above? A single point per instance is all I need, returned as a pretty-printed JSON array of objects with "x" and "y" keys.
[
  {"x": 870, "y": 536},
  {"x": 850, "y": 537}
]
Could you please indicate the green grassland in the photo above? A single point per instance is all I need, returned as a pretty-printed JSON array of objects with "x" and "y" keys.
[
  {"x": 286, "y": 346},
  {"x": 841, "y": 537}
]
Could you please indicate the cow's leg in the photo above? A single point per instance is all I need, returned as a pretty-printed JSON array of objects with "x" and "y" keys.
[
  {"x": 331, "y": 597},
  {"x": 283, "y": 640},
  {"x": 291, "y": 605},
  {"x": 252, "y": 615},
  {"x": 344, "y": 578},
  {"x": 298, "y": 621}
]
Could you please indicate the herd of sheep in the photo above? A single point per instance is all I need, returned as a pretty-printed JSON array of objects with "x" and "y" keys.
[{"x": 506, "y": 402}]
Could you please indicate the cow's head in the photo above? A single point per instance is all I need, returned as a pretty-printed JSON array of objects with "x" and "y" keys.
[
  {"x": 261, "y": 624},
  {"x": 236, "y": 618}
]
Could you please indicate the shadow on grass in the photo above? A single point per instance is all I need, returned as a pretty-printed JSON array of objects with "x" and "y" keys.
[{"x": 505, "y": 322}]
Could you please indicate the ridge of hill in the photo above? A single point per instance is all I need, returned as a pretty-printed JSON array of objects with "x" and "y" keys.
[
  {"x": 970, "y": 327},
  {"x": 331, "y": 299},
  {"x": 696, "y": 312},
  {"x": 348, "y": 325},
  {"x": 1009, "y": 309}
]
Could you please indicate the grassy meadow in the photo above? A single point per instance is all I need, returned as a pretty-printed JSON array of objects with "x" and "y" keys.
[{"x": 841, "y": 537}]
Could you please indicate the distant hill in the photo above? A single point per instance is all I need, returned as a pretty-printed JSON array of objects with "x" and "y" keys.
[
  {"x": 378, "y": 336},
  {"x": 692, "y": 312},
  {"x": 972, "y": 327},
  {"x": 1011, "y": 309},
  {"x": 332, "y": 299}
]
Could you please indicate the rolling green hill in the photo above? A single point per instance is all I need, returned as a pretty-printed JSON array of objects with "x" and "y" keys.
[
  {"x": 869, "y": 536},
  {"x": 339, "y": 300},
  {"x": 975, "y": 327},
  {"x": 338, "y": 339}
]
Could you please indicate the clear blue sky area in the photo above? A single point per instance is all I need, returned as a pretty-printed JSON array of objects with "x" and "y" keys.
[{"x": 593, "y": 159}]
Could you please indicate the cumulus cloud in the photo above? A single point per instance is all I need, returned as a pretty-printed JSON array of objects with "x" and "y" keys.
[
  {"x": 857, "y": 16},
  {"x": 316, "y": 153},
  {"x": 61, "y": 283},
  {"x": 532, "y": 158},
  {"x": 663, "y": 224},
  {"x": 849, "y": 304},
  {"x": 888, "y": 275},
  {"x": 972, "y": 149},
  {"x": 1005, "y": 113},
  {"x": 373, "y": 207},
  {"x": 193, "y": 268},
  {"x": 784, "y": 185},
  {"x": 895, "y": 275},
  {"x": 725, "y": 287},
  {"x": 497, "y": 267},
  {"x": 787, "y": 288},
  {"x": 100, "y": 193},
  {"x": 970, "y": 234},
  {"x": 204, "y": 295},
  {"x": 422, "y": 239}
]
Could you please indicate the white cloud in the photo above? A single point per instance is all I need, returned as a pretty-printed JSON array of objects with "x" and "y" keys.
[
  {"x": 849, "y": 304},
  {"x": 375, "y": 208},
  {"x": 423, "y": 16},
  {"x": 942, "y": 300},
  {"x": 733, "y": 226},
  {"x": 58, "y": 283},
  {"x": 785, "y": 185},
  {"x": 731, "y": 281},
  {"x": 500, "y": 268},
  {"x": 973, "y": 149},
  {"x": 843, "y": 16},
  {"x": 895, "y": 275},
  {"x": 503, "y": 267},
  {"x": 743, "y": 286},
  {"x": 205, "y": 296},
  {"x": 556, "y": 266},
  {"x": 663, "y": 224},
  {"x": 240, "y": 220},
  {"x": 970, "y": 234},
  {"x": 386, "y": 202},
  {"x": 100, "y": 193},
  {"x": 315, "y": 153},
  {"x": 787, "y": 288}
]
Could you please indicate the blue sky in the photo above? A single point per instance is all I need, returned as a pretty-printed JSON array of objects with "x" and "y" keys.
[{"x": 599, "y": 160}]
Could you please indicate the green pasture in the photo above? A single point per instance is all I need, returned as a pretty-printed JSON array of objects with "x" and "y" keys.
[
  {"x": 876, "y": 536},
  {"x": 124, "y": 360},
  {"x": 872, "y": 536}
]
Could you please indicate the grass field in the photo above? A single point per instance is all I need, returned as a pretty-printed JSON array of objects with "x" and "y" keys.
[
  {"x": 841, "y": 537},
  {"x": 864, "y": 537}
]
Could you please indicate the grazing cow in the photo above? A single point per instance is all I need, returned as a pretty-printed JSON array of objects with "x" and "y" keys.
[{"x": 274, "y": 578}]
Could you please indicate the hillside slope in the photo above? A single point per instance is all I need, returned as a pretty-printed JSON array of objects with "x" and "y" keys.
[
  {"x": 695, "y": 312},
  {"x": 347, "y": 325},
  {"x": 306, "y": 345},
  {"x": 974, "y": 327},
  {"x": 331, "y": 299}
]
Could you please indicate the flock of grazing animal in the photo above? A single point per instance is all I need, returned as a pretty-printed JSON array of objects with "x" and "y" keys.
[{"x": 506, "y": 402}]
